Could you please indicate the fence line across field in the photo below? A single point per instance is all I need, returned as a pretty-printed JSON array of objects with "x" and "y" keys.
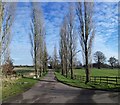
[{"x": 100, "y": 79}]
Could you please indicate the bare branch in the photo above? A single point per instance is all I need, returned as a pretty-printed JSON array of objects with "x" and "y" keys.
[{"x": 86, "y": 31}]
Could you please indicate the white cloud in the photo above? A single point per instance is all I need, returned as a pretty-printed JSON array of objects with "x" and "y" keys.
[
  {"x": 106, "y": 22},
  {"x": 100, "y": 45}
]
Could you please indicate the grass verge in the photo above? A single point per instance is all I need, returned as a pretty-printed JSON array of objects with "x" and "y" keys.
[
  {"x": 14, "y": 87},
  {"x": 90, "y": 85}
]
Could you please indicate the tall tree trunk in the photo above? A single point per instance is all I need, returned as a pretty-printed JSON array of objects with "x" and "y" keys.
[
  {"x": 86, "y": 63},
  {"x": 0, "y": 61},
  {"x": 35, "y": 68},
  {"x": 85, "y": 16},
  {"x": 71, "y": 66},
  {"x": 112, "y": 66},
  {"x": 62, "y": 66},
  {"x": 40, "y": 71},
  {"x": 99, "y": 65},
  {"x": 43, "y": 67},
  {"x": 66, "y": 67},
  {"x": 35, "y": 55}
]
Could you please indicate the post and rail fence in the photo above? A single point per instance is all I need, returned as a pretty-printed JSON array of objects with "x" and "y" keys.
[{"x": 100, "y": 79}]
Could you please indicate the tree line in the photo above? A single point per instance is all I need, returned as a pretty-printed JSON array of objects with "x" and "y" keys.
[
  {"x": 100, "y": 59},
  {"x": 68, "y": 34},
  {"x": 36, "y": 36},
  {"x": 37, "y": 39},
  {"x": 83, "y": 11},
  {"x": 70, "y": 31}
]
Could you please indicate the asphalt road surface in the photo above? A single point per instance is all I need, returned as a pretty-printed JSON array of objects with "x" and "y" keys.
[{"x": 48, "y": 90}]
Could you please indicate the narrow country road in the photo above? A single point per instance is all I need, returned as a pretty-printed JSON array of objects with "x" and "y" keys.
[{"x": 48, "y": 90}]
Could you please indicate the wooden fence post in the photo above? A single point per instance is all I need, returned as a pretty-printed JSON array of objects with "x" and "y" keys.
[
  {"x": 104, "y": 79},
  {"x": 100, "y": 79},
  {"x": 94, "y": 79},
  {"x": 116, "y": 80},
  {"x": 107, "y": 80}
]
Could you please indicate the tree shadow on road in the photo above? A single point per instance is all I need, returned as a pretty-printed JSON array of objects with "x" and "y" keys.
[
  {"x": 85, "y": 96},
  {"x": 46, "y": 81}
]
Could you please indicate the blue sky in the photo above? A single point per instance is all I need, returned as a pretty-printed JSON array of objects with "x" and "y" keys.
[{"x": 106, "y": 29}]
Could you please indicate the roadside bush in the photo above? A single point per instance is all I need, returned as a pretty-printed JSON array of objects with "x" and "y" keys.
[{"x": 8, "y": 67}]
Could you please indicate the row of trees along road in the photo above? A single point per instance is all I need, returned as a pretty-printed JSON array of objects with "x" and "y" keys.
[
  {"x": 68, "y": 35},
  {"x": 37, "y": 36},
  {"x": 37, "y": 39},
  {"x": 84, "y": 12},
  {"x": 67, "y": 42},
  {"x": 7, "y": 15}
]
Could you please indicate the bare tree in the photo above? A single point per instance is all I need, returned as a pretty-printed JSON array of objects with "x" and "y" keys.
[
  {"x": 55, "y": 58},
  {"x": 86, "y": 32},
  {"x": 67, "y": 42},
  {"x": 45, "y": 59},
  {"x": 99, "y": 58},
  {"x": 1, "y": 22},
  {"x": 61, "y": 54},
  {"x": 37, "y": 37},
  {"x": 71, "y": 37},
  {"x": 33, "y": 37},
  {"x": 61, "y": 49},
  {"x": 112, "y": 61},
  {"x": 64, "y": 47},
  {"x": 7, "y": 14}
]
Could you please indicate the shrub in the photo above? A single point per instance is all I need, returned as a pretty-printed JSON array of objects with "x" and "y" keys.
[{"x": 8, "y": 67}]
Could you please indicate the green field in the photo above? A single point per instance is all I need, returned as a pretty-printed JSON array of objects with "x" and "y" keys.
[
  {"x": 91, "y": 85},
  {"x": 24, "y": 70},
  {"x": 97, "y": 72}
]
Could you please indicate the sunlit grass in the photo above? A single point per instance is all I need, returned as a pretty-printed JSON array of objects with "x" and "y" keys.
[
  {"x": 91, "y": 85},
  {"x": 97, "y": 72},
  {"x": 11, "y": 87},
  {"x": 17, "y": 86}
]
